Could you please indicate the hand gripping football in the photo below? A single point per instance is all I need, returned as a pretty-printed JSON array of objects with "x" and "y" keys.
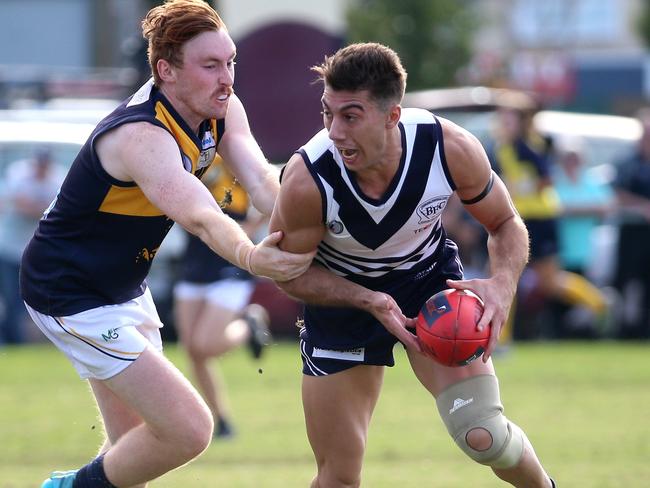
[{"x": 446, "y": 327}]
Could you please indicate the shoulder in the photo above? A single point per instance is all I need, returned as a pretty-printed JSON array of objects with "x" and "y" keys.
[
  {"x": 412, "y": 116},
  {"x": 466, "y": 158},
  {"x": 124, "y": 149},
  {"x": 139, "y": 135},
  {"x": 316, "y": 147},
  {"x": 297, "y": 179},
  {"x": 298, "y": 211}
]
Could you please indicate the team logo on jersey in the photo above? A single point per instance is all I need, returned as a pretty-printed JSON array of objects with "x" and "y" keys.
[
  {"x": 430, "y": 209},
  {"x": 335, "y": 227},
  {"x": 208, "y": 151}
]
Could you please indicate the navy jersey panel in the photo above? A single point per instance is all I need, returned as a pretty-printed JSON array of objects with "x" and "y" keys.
[
  {"x": 202, "y": 265},
  {"x": 346, "y": 328},
  {"x": 95, "y": 244}
]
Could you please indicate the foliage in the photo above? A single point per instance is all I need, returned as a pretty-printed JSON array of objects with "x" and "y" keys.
[
  {"x": 643, "y": 22},
  {"x": 431, "y": 37}
]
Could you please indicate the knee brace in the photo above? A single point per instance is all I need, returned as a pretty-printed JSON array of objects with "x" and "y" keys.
[{"x": 474, "y": 403}]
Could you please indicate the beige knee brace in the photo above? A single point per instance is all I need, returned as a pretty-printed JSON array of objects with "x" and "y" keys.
[{"x": 475, "y": 403}]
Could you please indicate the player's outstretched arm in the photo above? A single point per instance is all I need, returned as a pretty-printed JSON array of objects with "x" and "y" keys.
[
  {"x": 243, "y": 156},
  {"x": 486, "y": 198},
  {"x": 148, "y": 155},
  {"x": 298, "y": 214}
]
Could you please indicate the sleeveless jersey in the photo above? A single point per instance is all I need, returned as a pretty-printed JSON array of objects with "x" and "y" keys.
[
  {"x": 396, "y": 244},
  {"x": 371, "y": 240},
  {"x": 95, "y": 243}
]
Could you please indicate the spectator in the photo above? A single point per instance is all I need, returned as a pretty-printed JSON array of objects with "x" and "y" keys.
[
  {"x": 586, "y": 200},
  {"x": 632, "y": 185},
  {"x": 522, "y": 159},
  {"x": 30, "y": 186}
]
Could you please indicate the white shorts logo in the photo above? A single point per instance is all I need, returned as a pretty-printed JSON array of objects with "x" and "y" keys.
[{"x": 346, "y": 355}]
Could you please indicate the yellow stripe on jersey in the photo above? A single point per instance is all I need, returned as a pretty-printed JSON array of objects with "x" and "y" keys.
[
  {"x": 187, "y": 145},
  {"x": 130, "y": 200}
]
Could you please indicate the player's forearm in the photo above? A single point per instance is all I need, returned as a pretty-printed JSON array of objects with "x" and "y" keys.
[
  {"x": 225, "y": 237},
  {"x": 318, "y": 286},
  {"x": 508, "y": 252},
  {"x": 264, "y": 193}
]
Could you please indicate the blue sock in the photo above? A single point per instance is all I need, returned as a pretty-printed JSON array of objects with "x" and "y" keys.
[{"x": 92, "y": 475}]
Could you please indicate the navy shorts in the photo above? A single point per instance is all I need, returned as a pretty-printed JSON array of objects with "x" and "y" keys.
[
  {"x": 335, "y": 338},
  {"x": 543, "y": 238}
]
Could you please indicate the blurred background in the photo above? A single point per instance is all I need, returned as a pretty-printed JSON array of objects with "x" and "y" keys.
[{"x": 575, "y": 72}]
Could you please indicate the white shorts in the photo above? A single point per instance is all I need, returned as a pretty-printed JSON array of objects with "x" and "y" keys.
[
  {"x": 103, "y": 341},
  {"x": 231, "y": 294}
]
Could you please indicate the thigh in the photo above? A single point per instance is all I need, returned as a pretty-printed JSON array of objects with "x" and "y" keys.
[
  {"x": 436, "y": 377},
  {"x": 154, "y": 390},
  {"x": 118, "y": 417},
  {"x": 338, "y": 408}
]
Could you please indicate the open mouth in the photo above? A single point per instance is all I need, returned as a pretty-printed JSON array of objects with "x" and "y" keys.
[{"x": 348, "y": 153}]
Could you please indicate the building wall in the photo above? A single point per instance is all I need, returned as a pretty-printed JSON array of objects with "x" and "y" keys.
[
  {"x": 244, "y": 16},
  {"x": 46, "y": 33}
]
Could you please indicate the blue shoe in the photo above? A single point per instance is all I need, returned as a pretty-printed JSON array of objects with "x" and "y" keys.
[{"x": 60, "y": 479}]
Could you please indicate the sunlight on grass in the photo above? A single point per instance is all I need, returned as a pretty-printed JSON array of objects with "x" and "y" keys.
[{"x": 583, "y": 405}]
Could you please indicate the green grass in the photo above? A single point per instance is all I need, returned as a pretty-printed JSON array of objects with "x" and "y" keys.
[{"x": 585, "y": 407}]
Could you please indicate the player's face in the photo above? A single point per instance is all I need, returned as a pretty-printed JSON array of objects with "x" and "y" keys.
[
  {"x": 357, "y": 126},
  {"x": 203, "y": 85}
]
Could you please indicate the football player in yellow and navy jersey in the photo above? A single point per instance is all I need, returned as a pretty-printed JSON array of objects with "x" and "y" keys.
[
  {"x": 373, "y": 184},
  {"x": 522, "y": 159},
  {"x": 212, "y": 302},
  {"x": 83, "y": 273}
]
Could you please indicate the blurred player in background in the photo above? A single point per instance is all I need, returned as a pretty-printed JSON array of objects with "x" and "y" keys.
[
  {"x": 372, "y": 187},
  {"x": 211, "y": 301},
  {"x": 83, "y": 273},
  {"x": 522, "y": 158}
]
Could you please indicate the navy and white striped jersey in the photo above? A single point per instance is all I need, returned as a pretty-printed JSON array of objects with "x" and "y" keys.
[{"x": 374, "y": 239}]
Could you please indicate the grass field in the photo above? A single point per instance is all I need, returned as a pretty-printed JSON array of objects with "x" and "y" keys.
[{"x": 585, "y": 406}]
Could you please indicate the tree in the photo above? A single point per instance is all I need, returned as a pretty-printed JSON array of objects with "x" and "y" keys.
[
  {"x": 643, "y": 23},
  {"x": 432, "y": 37}
]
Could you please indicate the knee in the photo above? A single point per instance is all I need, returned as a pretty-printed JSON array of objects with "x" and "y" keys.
[
  {"x": 479, "y": 439},
  {"x": 196, "y": 350},
  {"x": 473, "y": 415},
  {"x": 494, "y": 442},
  {"x": 336, "y": 478},
  {"x": 196, "y": 433}
]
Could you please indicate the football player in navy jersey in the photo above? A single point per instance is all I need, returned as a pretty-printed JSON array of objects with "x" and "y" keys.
[
  {"x": 83, "y": 273},
  {"x": 372, "y": 186}
]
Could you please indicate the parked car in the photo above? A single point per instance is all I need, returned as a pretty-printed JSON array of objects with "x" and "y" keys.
[
  {"x": 606, "y": 139},
  {"x": 63, "y": 132}
]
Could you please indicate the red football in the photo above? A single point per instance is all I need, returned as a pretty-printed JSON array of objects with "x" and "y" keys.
[{"x": 446, "y": 327}]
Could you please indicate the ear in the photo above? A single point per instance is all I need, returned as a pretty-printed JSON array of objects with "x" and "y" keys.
[
  {"x": 166, "y": 71},
  {"x": 393, "y": 115}
]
